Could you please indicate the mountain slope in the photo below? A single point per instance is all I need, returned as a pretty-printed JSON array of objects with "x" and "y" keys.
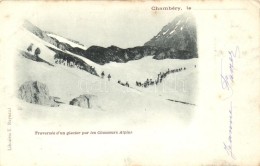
[
  {"x": 56, "y": 40},
  {"x": 59, "y": 50},
  {"x": 180, "y": 35}
]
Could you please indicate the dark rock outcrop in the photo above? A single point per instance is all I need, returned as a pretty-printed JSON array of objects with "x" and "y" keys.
[
  {"x": 103, "y": 55},
  {"x": 84, "y": 101},
  {"x": 37, "y": 93}
]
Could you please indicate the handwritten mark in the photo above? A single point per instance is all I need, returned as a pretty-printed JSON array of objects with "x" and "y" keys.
[
  {"x": 228, "y": 146},
  {"x": 227, "y": 78}
]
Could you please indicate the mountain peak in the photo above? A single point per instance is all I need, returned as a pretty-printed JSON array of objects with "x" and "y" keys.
[{"x": 180, "y": 34}]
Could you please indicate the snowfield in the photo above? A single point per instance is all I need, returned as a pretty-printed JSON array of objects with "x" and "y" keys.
[{"x": 177, "y": 86}]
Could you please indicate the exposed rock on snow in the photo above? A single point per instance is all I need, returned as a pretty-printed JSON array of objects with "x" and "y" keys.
[
  {"x": 84, "y": 101},
  {"x": 37, "y": 93}
]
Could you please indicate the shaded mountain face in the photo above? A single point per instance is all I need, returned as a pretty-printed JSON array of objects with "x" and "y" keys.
[
  {"x": 180, "y": 35},
  {"x": 176, "y": 40}
]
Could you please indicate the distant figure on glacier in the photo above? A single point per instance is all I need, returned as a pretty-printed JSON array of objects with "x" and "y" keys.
[
  {"x": 127, "y": 84},
  {"x": 102, "y": 74},
  {"x": 109, "y": 76},
  {"x": 37, "y": 52},
  {"x": 92, "y": 70},
  {"x": 29, "y": 49}
]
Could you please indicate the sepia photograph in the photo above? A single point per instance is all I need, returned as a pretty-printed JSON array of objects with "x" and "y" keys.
[{"x": 129, "y": 83}]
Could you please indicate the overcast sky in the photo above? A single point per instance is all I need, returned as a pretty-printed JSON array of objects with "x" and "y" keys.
[{"x": 103, "y": 24}]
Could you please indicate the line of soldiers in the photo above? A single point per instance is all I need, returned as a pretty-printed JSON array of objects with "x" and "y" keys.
[
  {"x": 159, "y": 78},
  {"x": 124, "y": 84},
  {"x": 68, "y": 63},
  {"x": 109, "y": 77}
]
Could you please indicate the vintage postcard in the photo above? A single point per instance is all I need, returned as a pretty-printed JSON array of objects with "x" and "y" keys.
[{"x": 130, "y": 83}]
